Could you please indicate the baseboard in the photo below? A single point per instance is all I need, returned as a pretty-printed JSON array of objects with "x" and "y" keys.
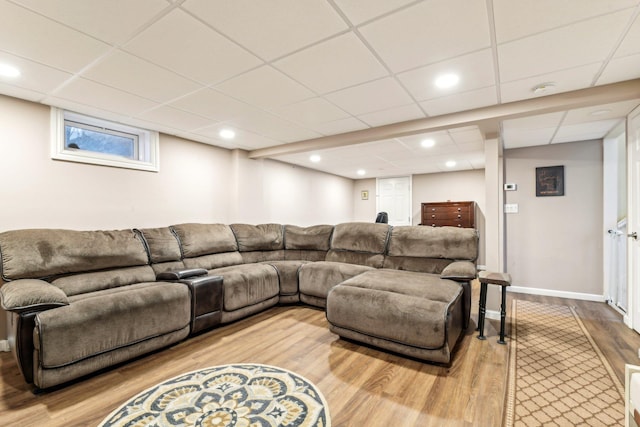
[
  {"x": 4, "y": 345},
  {"x": 552, "y": 293},
  {"x": 492, "y": 314}
]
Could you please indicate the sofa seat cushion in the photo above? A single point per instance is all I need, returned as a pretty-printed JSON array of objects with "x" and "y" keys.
[
  {"x": 400, "y": 306},
  {"x": 247, "y": 284},
  {"x": 288, "y": 275},
  {"x": 99, "y": 322},
  {"x": 317, "y": 278}
]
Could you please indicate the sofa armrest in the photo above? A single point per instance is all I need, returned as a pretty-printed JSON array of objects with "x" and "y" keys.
[
  {"x": 181, "y": 274},
  {"x": 26, "y": 295},
  {"x": 459, "y": 270}
]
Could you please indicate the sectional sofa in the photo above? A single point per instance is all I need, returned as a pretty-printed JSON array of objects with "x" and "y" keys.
[{"x": 80, "y": 301}]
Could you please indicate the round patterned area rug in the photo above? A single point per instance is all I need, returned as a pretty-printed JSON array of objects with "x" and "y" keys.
[{"x": 243, "y": 395}]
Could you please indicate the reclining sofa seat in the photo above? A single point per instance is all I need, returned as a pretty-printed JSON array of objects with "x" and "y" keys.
[
  {"x": 419, "y": 303},
  {"x": 80, "y": 301}
]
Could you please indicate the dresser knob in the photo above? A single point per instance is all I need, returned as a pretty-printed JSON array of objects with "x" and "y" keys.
[{"x": 433, "y": 216}]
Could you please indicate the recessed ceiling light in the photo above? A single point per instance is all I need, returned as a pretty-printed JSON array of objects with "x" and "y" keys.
[
  {"x": 450, "y": 163},
  {"x": 315, "y": 158},
  {"x": 543, "y": 88},
  {"x": 10, "y": 71},
  {"x": 361, "y": 172},
  {"x": 227, "y": 134},
  {"x": 445, "y": 81},
  {"x": 427, "y": 143},
  {"x": 600, "y": 112}
]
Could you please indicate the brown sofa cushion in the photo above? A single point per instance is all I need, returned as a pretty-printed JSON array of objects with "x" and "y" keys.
[
  {"x": 162, "y": 243},
  {"x": 360, "y": 237},
  {"x": 400, "y": 306},
  {"x": 38, "y": 253},
  {"x": 98, "y": 322},
  {"x": 204, "y": 239},
  {"x": 434, "y": 242},
  {"x": 262, "y": 237},
  {"x": 314, "y": 238}
]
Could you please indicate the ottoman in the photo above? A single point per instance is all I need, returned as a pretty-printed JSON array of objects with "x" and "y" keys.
[{"x": 415, "y": 314}]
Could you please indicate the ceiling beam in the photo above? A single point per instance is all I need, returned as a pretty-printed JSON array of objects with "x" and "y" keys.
[{"x": 486, "y": 118}]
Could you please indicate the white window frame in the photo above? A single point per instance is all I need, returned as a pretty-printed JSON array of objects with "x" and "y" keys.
[{"x": 147, "y": 152}]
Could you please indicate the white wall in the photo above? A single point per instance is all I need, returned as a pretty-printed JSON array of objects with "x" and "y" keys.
[{"x": 555, "y": 243}]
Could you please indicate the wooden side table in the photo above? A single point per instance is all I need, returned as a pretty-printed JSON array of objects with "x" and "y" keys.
[{"x": 492, "y": 278}]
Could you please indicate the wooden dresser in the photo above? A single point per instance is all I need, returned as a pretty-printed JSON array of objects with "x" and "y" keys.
[{"x": 454, "y": 214}]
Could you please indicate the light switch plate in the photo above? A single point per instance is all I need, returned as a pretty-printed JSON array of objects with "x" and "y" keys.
[
  {"x": 510, "y": 187},
  {"x": 510, "y": 208}
]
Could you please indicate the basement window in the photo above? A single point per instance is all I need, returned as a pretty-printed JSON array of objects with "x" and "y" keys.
[{"x": 85, "y": 139}]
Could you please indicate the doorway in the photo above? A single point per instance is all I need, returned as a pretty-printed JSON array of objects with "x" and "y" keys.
[
  {"x": 394, "y": 198},
  {"x": 615, "y": 219},
  {"x": 633, "y": 221}
]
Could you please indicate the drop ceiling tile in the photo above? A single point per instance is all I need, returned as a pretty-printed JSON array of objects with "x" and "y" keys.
[
  {"x": 475, "y": 71},
  {"x": 265, "y": 87},
  {"x": 566, "y": 47},
  {"x": 332, "y": 65},
  {"x": 110, "y": 21},
  {"x": 359, "y": 11},
  {"x": 339, "y": 126},
  {"x": 620, "y": 69},
  {"x": 630, "y": 45},
  {"x": 39, "y": 39},
  {"x": 564, "y": 80},
  {"x": 585, "y": 131},
  {"x": 369, "y": 97},
  {"x": 461, "y": 101},
  {"x": 272, "y": 127},
  {"x": 530, "y": 131},
  {"x": 429, "y": 32},
  {"x": 90, "y": 110},
  {"x": 393, "y": 115},
  {"x": 311, "y": 111},
  {"x": 551, "y": 120},
  {"x": 212, "y": 104},
  {"x": 243, "y": 139},
  {"x": 175, "y": 118},
  {"x": 270, "y": 29},
  {"x": 517, "y": 138},
  {"x": 600, "y": 112},
  {"x": 515, "y": 20},
  {"x": 134, "y": 75},
  {"x": 33, "y": 76},
  {"x": 466, "y": 135},
  {"x": 104, "y": 97},
  {"x": 185, "y": 45}
]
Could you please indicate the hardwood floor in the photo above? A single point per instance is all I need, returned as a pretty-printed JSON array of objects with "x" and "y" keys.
[{"x": 363, "y": 386}]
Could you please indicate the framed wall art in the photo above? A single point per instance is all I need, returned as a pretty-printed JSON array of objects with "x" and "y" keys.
[{"x": 550, "y": 181}]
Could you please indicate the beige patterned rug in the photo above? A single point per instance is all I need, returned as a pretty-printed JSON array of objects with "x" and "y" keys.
[
  {"x": 557, "y": 374},
  {"x": 244, "y": 395}
]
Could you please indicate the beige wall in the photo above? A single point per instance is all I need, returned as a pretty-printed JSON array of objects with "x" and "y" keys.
[
  {"x": 272, "y": 191},
  {"x": 38, "y": 192},
  {"x": 196, "y": 183},
  {"x": 555, "y": 243}
]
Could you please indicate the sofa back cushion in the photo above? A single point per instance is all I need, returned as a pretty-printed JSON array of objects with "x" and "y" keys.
[
  {"x": 259, "y": 243},
  {"x": 42, "y": 253},
  {"x": 162, "y": 244},
  {"x": 359, "y": 243},
  {"x": 430, "y": 249},
  {"x": 307, "y": 243},
  {"x": 262, "y": 237},
  {"x": 205, "y": 239}
]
